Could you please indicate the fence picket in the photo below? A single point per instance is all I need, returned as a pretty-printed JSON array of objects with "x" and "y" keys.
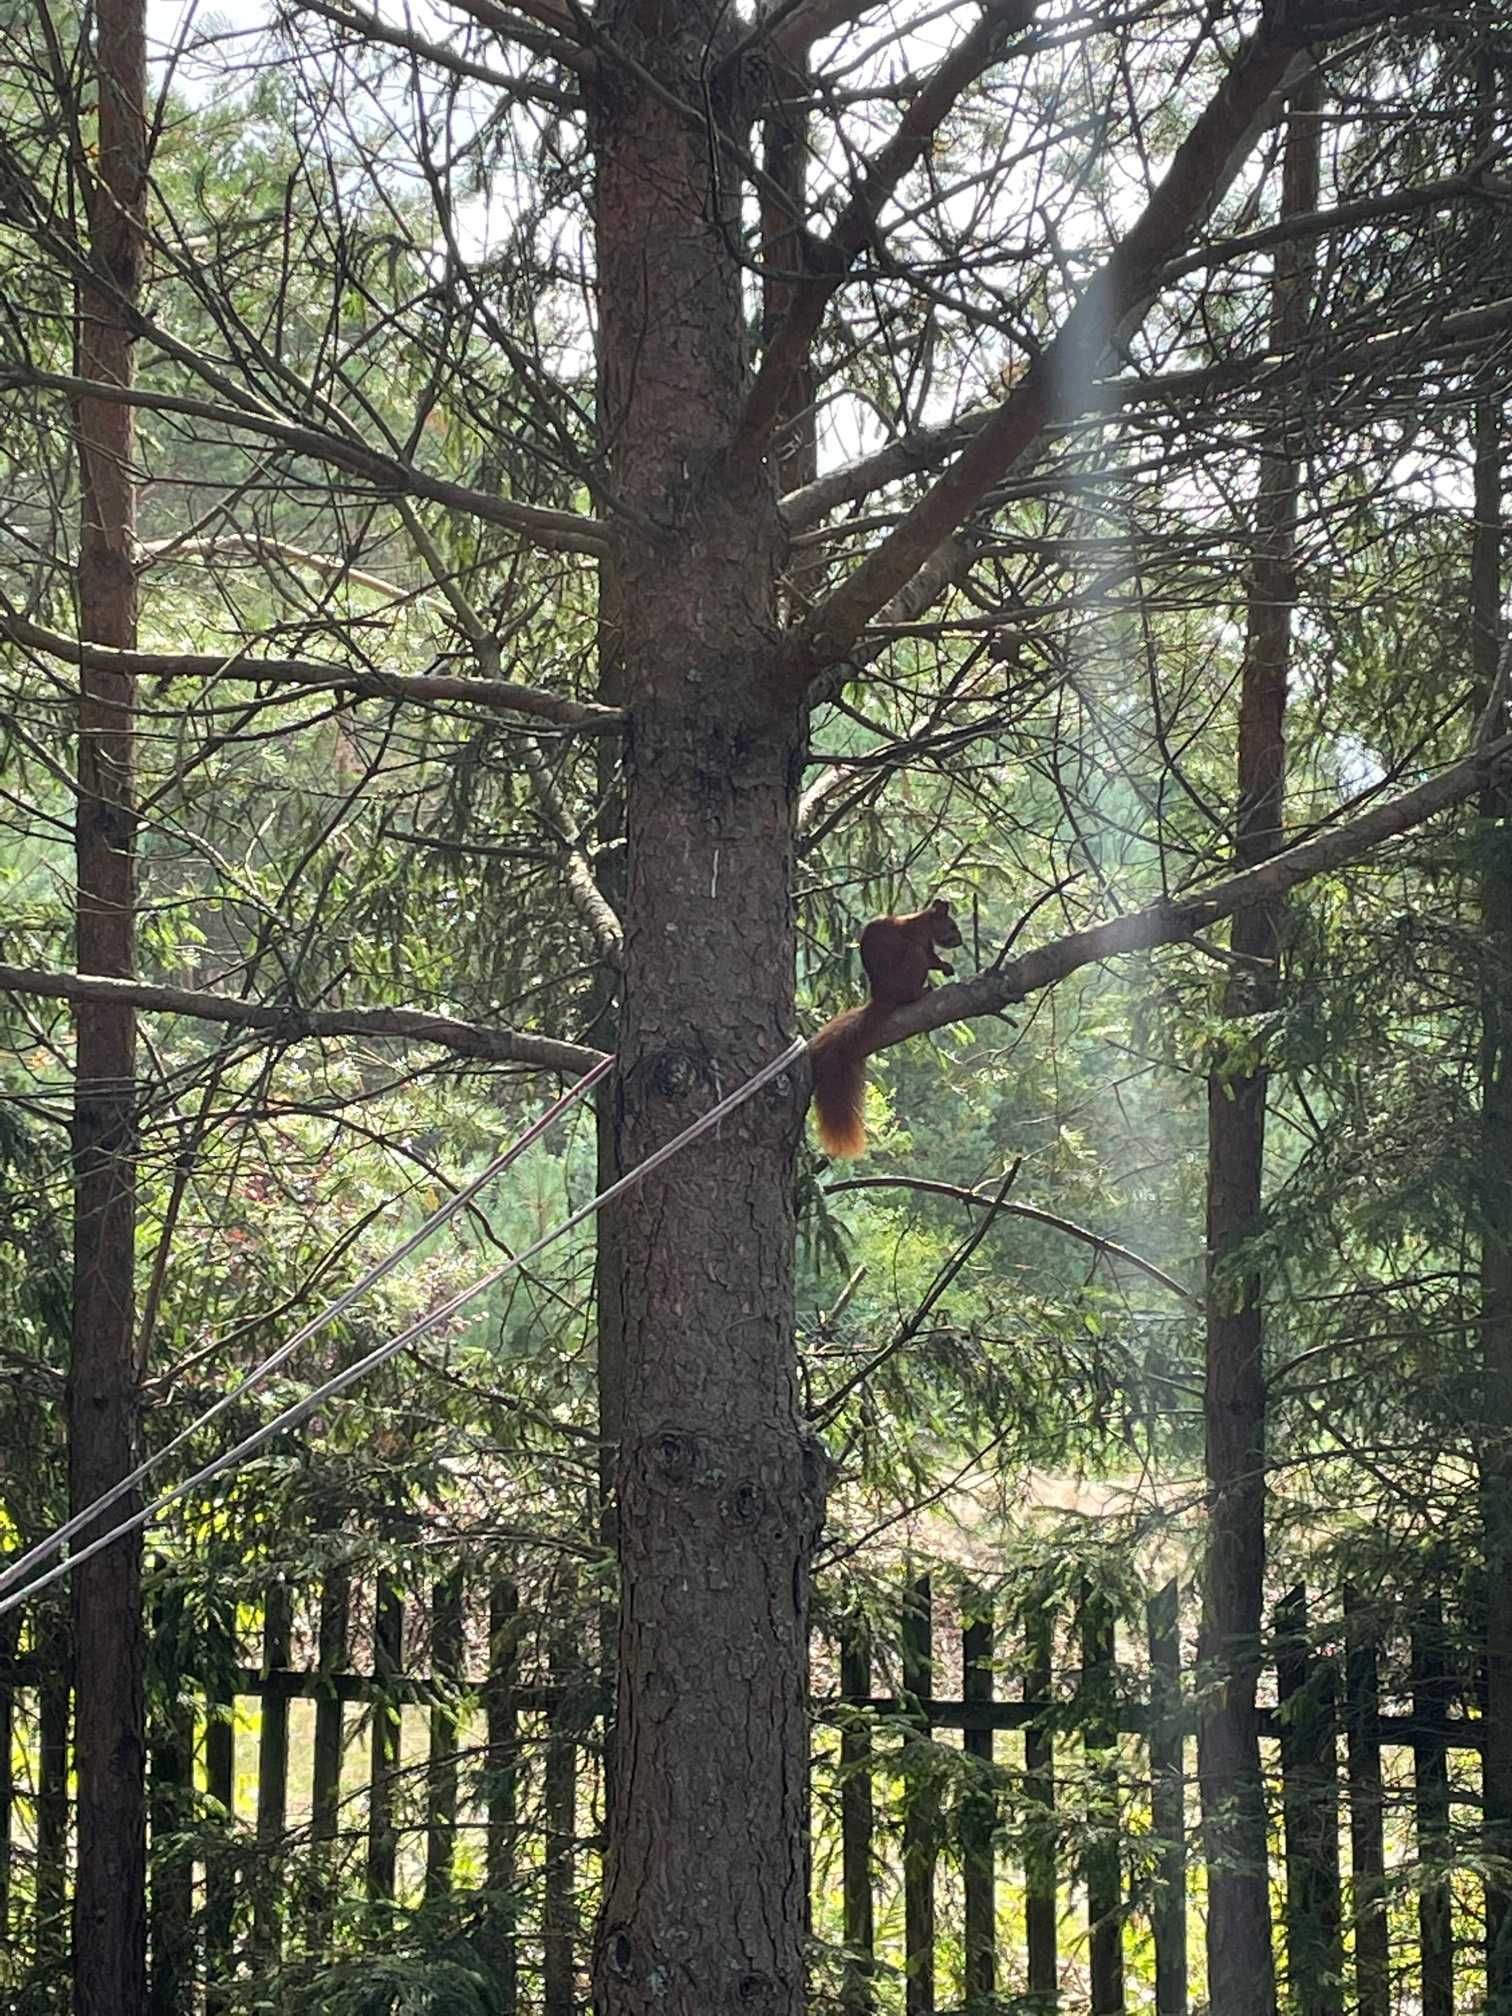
[
  {"x": 170, "y": 1764},
  {"x": 383, "y": 1839},
  {"x": 1430, "y": 1702},
  {"x": 1310, "y": 1812},
  {"x": 332, "y": 1656},
  {"x": 979, "y": 1819},
  {"x": 1367, "y": 1809},
  {"x": 220, "y": 1788},
  {"x": 273, "y": 1771},
  {"x": 1168, "y": 1912},
  {"x": 856, "y": 1823},
  {"x": 919, "y": 1816},
  {"x": 10, "y": 1638},
  {"x": 1098, "y": 1703},
  {"x": 441, "y": 1777},
  {"x": 503, "y": 1728},
  {"x": 559, "y": 1799},
  {"x": 1039, "y": 1810}
]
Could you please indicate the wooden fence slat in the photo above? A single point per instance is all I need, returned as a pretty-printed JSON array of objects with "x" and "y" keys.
[
  {"x": 1430, "y": 1703},
  {"x": 53, "y": 1705},
  {"x": 10, "y": 1639},
  {"x": 170, "y": 1767},
  {"x": 919, "y": 1817},
  {"x": 383, "y": 1840},
  {"x": 979, "y": 1820},
  {"x": 1098, "y": 1702},
  {"x": 856, "y": 1824},
  {"x": 1310, "y": 1814},
  {"x": 332, "y": 1655},
  {"x": 1039, "y": 1810},
  {"x": 559, "y": 1799},
  {"x": 441, "y": 1774},
  {"x": 1367, "y": 1809},
  {"x": 1168, "y": 1912},
  {"x": 503, "y": 1730},
  {"x": 272, "y": 1774},
  {"x": 220, "y": 1787}
]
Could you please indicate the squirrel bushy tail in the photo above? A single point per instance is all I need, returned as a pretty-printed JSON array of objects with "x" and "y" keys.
[{"x": 838, "y": 1057}]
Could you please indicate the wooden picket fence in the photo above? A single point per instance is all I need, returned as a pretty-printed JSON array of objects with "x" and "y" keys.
[{"x": 404, "y": 1772}]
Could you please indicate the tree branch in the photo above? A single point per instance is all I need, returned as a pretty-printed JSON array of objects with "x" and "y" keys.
[
  {"x": 582, "y": 886},
  {"x": 926, "y": 447},
  {"x": 1474, "y": 182},
  {"x": 564, "y": 531},
  {"x": 373, "y": 29},
  {"x": 1032, "y": 1213},
  {"x": 288, "y": 1023},
  {"x": 1058, "y": 383},
  {"x": 1174, "y": 920},
  {"x": 831, "y": 260},
  {"x": 314, "y": 676},
  {"x": 792, "y": 31},
  {"x": 545, "y": 30},
  {"x": 254, "y": 547}
]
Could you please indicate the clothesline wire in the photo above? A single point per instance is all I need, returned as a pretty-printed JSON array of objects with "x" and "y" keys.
[
  {"x": 15, "y": 1570},
  {"x": 300, "y": 1410}
]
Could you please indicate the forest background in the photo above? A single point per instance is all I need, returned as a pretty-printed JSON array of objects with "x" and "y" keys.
[{"x": 523, "y": 527}]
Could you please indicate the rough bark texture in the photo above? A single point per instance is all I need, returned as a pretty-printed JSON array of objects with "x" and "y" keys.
[
  {"x": 1240, "y": 1967},
  {"x": 1495, "y": 1213},
  {"x": 109, "y": 1915},
  {"x": 718, "y": 1488}
]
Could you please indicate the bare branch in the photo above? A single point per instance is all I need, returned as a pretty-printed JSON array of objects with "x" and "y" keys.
[
  {"x": 564, "y": 531},
  {"x": 559, "y": 20},
  {"x": 372, "y": 28},
  {"x": 794, "y": 30},
  {"x": 831, "y": 260},
  {"x": 926, "y": 447},
  {"x": 544, "y": 28},
  {"x": 313, "y": 676},
  {"x": 1058, "y": 383},
  {"x": 253, "y": 546},
  {"x": 1174, "y": 920},
  {"x": 287, "y": 1023},
  {"x": 582, "y": 885},
  {"x": 1320, "y": 223},
  {"x": 1032, "y": 1213}
]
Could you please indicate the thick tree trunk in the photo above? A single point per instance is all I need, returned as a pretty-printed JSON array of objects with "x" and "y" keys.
[
  {"x": 1241, "y": 1974},
  {"x": 719, "y": 1491},
  {"x": 1495, "y": 1213},
  {"x": 109, "y": 1935}
]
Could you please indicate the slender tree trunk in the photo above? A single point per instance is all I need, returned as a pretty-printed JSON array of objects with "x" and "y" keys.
[
  {"x": 608, "y": 1270},
  {"x": 1495, "y": 1214},
  {"x": 109, "y": 1937},
  {"x": 1241, "y": 1973},
  {"x": 718, "y": 1489}
]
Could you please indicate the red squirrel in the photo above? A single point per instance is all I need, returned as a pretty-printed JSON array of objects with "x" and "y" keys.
[{"x": 899, "y": 954}]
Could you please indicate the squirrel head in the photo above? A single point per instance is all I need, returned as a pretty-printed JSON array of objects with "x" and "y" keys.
[{"x": 945, "y": 929}]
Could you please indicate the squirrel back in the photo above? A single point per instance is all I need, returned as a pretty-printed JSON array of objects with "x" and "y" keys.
[{"x": 899, "y": 954}]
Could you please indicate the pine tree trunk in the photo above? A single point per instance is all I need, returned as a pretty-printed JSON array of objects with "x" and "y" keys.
[
  {"x": 719, "y": 1491},
  {"x": 109, "y": 1923},
  {"x": 1241, "y": 1972}
]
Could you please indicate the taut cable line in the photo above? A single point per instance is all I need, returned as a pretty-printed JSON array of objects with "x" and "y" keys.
[{"x": 299, "y": 1410}]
